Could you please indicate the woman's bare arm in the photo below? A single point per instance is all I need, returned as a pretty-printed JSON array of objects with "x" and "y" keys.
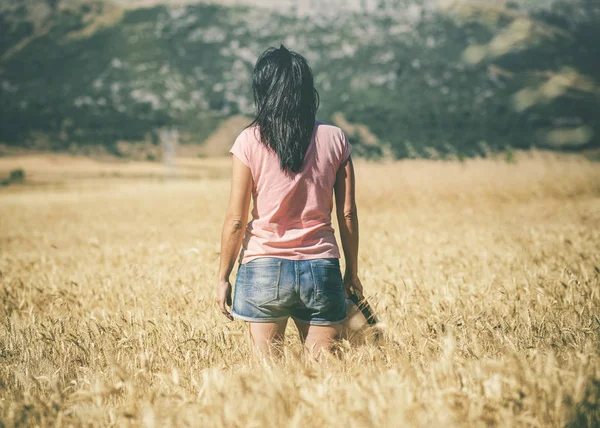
[
  {"x": 234, "y": 228},
  {"x": 347, "y": 215}
]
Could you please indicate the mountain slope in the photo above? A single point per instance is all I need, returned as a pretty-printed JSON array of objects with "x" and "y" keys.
[{"x": 443, "y": 82}]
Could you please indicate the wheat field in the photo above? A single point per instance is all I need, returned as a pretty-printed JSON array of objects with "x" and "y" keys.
[{"x": 485, "y": 276}]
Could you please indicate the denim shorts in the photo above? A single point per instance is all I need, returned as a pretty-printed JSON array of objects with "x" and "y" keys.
[{"x": 273, "y": 289}]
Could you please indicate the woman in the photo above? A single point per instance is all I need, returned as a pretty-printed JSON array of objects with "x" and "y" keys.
[{"x": 291, "y": 165}]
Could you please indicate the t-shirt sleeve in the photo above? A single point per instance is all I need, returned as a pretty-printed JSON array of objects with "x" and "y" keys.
[
  {"x": 241, "y": 150},
  {"x": 346, "y": 148}
]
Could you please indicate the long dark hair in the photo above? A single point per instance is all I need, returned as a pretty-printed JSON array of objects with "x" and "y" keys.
[{"x": 286, "y": 105}]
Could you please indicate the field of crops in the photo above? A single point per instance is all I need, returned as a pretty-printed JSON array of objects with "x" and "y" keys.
[{"x": 485, "y": 275}]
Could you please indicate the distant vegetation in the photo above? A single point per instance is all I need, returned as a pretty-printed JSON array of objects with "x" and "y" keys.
[
  {"x": 16, "y": 176},
  {"x": 456, "y": 81}
]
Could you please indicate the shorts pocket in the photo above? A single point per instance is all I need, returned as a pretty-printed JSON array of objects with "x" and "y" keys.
[
  {"x": 261, "y": 282},
  {"x": 327, "y": 282}
]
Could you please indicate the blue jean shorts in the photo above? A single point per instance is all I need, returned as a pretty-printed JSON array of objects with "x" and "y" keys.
[{"x": 273, "y": 289}]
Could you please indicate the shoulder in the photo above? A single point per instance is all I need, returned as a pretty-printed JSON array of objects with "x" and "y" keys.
[
  {"x": 333, "y": 140},
  {"x": 249, "y": 135},
  {"x": 248, "y": 140},
  {"x": 245, "y": 145},
  {"x": 333, "y": 137},
  {"x": 328, "y": 130}
]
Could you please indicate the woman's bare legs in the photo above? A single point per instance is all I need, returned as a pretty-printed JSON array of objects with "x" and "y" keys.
[
  {"x": 267, "y": 337},
  {"x": 318, "y": 338}
]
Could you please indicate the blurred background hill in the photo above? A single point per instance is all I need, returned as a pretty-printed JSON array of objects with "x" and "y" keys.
[{"x": 438, "y": 79}]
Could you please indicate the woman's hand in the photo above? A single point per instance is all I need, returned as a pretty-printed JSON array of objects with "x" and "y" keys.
[
  {"x": 352, "y": 284},
  {"x": 224, "y": 298}
]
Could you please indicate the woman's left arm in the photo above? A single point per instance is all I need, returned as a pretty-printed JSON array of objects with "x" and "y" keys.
[{"x": 234, "y": 229}]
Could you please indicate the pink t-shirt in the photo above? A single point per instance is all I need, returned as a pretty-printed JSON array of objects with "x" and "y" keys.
[{"x": 291, "y": 216}]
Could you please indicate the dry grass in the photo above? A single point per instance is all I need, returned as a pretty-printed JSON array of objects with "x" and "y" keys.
[
  {"x": 76, "y": 171},
  {"x": 486, "y": 275}
]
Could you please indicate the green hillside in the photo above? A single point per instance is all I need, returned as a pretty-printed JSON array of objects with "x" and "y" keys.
[{"x": 456, "y": 81}]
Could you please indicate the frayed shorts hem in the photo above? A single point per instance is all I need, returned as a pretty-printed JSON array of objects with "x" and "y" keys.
[
  {"x": 266, "y": 320},
  {"x": 250, "y": 319},
  {"x": 320, "y": 323}
]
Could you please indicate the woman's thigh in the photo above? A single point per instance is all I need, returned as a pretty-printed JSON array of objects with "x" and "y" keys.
[
  {"x": 267, "y": 337},
  {"x": 318, "y": 338}
]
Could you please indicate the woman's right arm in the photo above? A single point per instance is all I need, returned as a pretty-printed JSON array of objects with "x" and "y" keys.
[{"x": 347, "y": 215}]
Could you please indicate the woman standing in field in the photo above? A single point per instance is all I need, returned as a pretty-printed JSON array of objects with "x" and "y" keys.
[{"x": 291, "y": 165}]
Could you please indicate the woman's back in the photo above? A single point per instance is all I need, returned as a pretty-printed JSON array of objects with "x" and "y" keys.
[{"x": 291, "y": 216}]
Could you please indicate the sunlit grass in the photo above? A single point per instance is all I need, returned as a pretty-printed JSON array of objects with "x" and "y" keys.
[{"x": 485, "y": 275}]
